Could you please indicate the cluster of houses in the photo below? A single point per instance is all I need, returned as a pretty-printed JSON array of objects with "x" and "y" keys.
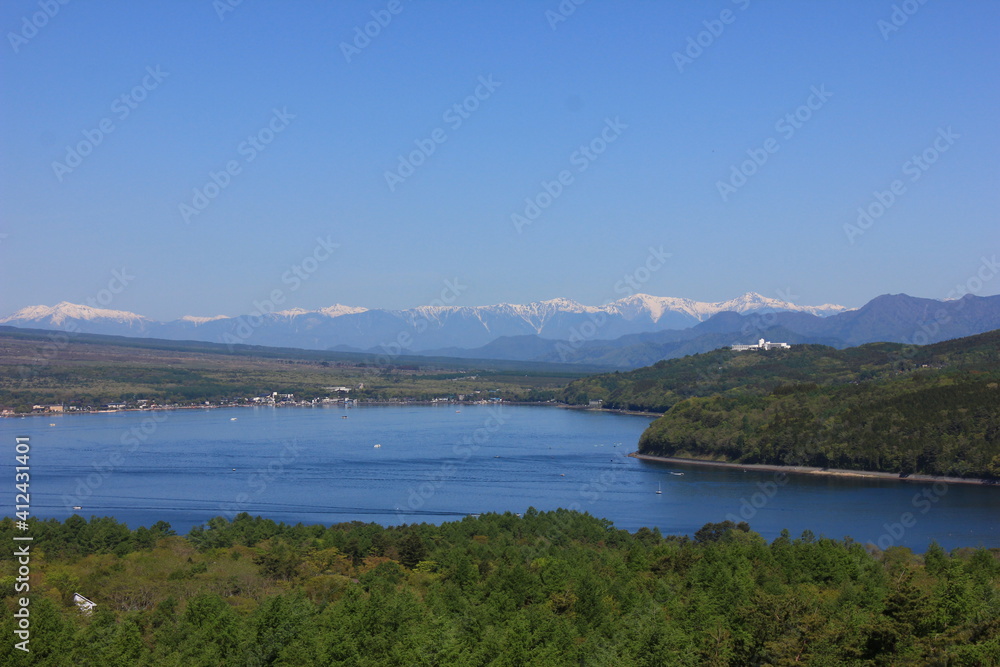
[
  {"x": 140, "y": 404},
  {"x": 336, "y": 395},
  {"x": 273, "y": 398}
]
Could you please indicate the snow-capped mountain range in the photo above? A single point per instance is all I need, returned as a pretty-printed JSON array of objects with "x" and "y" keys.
[
  {"x": 414, "y": 329},
  {"x": 64, "y": 312}
]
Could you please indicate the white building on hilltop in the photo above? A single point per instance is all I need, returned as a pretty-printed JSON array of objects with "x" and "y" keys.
[{"x": 761, "y": 345}]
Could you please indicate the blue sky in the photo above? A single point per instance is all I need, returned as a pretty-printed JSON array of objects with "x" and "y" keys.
[{"x": 330, "y": 122}]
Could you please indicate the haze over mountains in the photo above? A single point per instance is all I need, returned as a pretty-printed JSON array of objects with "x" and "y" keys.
[{"x": 633, "y": 331}]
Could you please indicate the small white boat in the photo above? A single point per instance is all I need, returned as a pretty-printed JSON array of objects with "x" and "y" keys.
[
  {"x": 679, "y": 474},
  {"x": 377, "y": 446},
  {"x": 232, "y": 419},
  {"x": 658, "y": 489},
  {"x": 77, "y": 507}
]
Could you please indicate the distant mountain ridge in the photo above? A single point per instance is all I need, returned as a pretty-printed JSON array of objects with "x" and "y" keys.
[
  {"x": 892, "y": 318},
  {"x": 628, "y": 333},
  {"x": 424, "y": 327}
]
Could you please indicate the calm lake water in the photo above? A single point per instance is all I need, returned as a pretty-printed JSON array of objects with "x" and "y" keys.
[{"x": 436, "y": 464}]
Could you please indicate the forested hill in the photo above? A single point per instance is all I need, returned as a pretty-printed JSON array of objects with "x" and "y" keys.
[
  {"x": 932, "y": 410},
  {"x": 549, "y": 589},
  {"x": 658, "y": 387}
]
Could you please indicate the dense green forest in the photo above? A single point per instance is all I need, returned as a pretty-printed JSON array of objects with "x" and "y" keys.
[
  {"x": 935, "y": 424},
  {"x": 883, "y": 407},
  {"x": 548, "y": 588}
]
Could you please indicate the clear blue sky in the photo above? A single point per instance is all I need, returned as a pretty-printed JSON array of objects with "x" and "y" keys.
[{"x": 656, "y": 184}]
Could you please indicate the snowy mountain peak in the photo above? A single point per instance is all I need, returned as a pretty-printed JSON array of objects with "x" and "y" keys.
[
  {"x": 563, "y": 305},
  {"x": 292, "y": 312},
  {"x": 194, "y": 319},
  {"x": 754, "y": 301},
  {"x": 64, "y": 310},
  {"x": 655, "y": 307},
  {"x": 336, "y": 310}
]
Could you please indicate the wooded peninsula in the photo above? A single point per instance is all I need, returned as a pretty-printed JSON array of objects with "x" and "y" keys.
[{"x": 932, "y": 410}]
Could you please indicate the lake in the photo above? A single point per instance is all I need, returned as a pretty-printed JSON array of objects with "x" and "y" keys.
[{"x": 406, "y": 464}]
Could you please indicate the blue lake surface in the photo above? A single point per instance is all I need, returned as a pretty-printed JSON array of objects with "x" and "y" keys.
[{"x": 438, "y": 463}]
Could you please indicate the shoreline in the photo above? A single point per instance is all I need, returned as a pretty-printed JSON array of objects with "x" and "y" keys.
[
  {"x": 167, "y": 408},
  {"x": 811, "y": 470},
  {"x": 401, "y": 403},
  {"x": 615, "y": 411}
]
